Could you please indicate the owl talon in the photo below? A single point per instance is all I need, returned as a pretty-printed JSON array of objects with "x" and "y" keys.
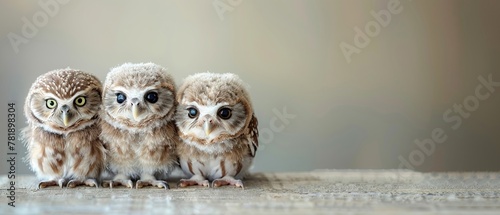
[
  {"x": 44, "y": 184},
  {"x": 227, "y": 181},
  {"x": 115, "y": 183},
  {"x": 89, "y": 182},
  {"x": 106, "y": 183},
  {"x": 61, "y": 182},
  {"x": 191, "y": 182},
  {"x": 158, "y": 183}
]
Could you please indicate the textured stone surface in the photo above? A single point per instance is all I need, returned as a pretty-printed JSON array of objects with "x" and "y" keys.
[{"x": 325, "y": 191}]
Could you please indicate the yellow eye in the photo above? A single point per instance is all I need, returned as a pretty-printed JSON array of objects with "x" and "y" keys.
[
  {"x": 80, "y": 101},
  {"x": 51, "y": 103}
]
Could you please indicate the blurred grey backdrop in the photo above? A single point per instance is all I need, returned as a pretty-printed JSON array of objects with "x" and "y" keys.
[{"x": 335, "y": 84}]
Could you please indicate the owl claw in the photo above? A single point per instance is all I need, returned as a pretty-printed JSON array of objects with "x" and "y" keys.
[
  {"x": 114, "y": 183},
  {"x": 43, "y": 184},
  {"x": 158, "y": 183},
  {"x": 106, "y": 183},
  {"x": 89, "y": 182},
  {"x": 61, "y": 182},
  {"x": 74, "y": 183},
  {"x": 191, "y": 182},
  {"x": 227, "y": 181}
]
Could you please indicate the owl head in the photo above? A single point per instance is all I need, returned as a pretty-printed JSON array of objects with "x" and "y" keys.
[
  {"x": 212, "y": 108},
  {"x": 138, "y": 96},
  {"x": 62, "y": 101}
]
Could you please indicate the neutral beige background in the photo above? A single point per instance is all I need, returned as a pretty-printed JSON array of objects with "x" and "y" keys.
[{"x": 362, "y": 114}]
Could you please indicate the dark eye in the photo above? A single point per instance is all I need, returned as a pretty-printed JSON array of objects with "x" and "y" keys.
[
  {"x": 51, "y": 103},
  {"x": 80, "y": 101},
  {"x": 120, "y": 98},
  {"x": 192, "y": 112},
  {"x": 151, "y": 97},
  {"x": 224, "y": 113}
]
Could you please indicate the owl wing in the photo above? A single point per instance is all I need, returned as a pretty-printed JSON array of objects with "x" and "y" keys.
[{"x": 253, "y": 135}]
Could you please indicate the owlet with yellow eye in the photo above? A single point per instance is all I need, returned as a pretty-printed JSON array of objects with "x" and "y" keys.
[{"x": 62, "y": 136}]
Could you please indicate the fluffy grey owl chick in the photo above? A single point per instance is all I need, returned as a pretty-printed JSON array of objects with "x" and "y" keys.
[
  {"x": 138, "y": 130},
  {"x": 218, "y": 129}
]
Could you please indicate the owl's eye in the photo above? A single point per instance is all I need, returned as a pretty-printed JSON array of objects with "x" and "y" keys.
[
  {"x": 51, "y": 103},
  {"x": 151, "y": 97},
  {"x": 192, "y": 112},
  {"x": 224, "y": 113},
  {"x": 80, "y": 101},
  {"x": 120, "y": 98}
]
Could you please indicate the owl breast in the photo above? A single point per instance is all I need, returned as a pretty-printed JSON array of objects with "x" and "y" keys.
[{"x": 233, "y": 162}]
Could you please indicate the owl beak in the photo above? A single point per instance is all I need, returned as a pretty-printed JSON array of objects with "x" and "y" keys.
[
  {"x": 135, "y": 108},
  {"x": 65, "y": 116},
  {"x": 207, "y": 126},
  {"x": 135, "y": 111}
]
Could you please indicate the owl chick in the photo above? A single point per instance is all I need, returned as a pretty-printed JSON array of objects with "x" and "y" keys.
[
  {"x": 62, "y": 136},
  {"x": 218, "y": 127},
  {"x": 137, "y": 125}
]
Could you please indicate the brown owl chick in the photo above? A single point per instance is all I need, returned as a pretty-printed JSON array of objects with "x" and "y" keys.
[
  {"x": 62, "y": 136},
  {"x": 137, "y": 125},
  {"x": 218, "y": 127}
]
